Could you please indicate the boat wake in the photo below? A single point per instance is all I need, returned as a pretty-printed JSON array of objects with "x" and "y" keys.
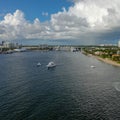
[{"x": 117, "y": 86}]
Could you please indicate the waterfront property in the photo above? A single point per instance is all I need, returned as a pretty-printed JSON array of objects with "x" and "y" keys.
[{"x": 109, "y": 54}]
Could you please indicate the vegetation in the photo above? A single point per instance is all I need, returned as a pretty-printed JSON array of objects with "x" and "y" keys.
[{"x": 111, "y": 52}]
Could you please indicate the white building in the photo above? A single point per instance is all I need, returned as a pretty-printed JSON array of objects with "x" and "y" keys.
[
  {"x": 119, "y": 43},
  {"x": 8, "y": 45}
]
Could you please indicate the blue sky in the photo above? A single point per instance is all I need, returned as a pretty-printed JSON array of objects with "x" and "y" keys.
[
  {"x": 60, "y": 21},
  {"x": 33, "y": 8}
]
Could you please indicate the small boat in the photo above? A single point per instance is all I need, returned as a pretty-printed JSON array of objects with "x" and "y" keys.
[
  {"x": 51, "y": 64},
  {"x": 38, "y": 64},
  {"x": 92, "y": 66}
]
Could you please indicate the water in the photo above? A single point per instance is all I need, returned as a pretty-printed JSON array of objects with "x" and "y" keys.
[{"x": 71, "y": 91}]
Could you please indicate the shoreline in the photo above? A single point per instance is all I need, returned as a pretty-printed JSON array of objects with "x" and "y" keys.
[{"x": 105, "y": 60}]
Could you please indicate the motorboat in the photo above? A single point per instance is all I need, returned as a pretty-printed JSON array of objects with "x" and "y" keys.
[
  {"x": 51, "y": 64},
  {"x": 38, "y": 64},
  {"x": 92, "y": 66}
]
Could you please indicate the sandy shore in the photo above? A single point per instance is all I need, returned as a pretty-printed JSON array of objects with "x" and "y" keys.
[{"x": 106, "y": 60}]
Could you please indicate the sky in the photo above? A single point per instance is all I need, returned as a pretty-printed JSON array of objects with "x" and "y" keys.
[{"x": 60, "y": 21}]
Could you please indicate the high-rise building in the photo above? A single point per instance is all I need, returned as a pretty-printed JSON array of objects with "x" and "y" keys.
[
  {"x": 7, "y": 44},
  {"x": 119, "y": 43}
]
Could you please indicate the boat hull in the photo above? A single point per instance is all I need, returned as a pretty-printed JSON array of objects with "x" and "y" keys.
[{"x": 51, "y": 66}]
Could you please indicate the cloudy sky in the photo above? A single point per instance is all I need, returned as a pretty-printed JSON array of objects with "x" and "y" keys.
[{"x": 84, "y": 21}]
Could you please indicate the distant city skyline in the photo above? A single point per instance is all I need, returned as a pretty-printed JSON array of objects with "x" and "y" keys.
[{"x": 60, "y": 21}]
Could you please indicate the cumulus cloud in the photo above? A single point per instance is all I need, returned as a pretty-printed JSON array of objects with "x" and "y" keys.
[
  {"x": 86, "y": 19},
  {"x": 15, "y": 26},
  {"x": 94, "y": 13}
]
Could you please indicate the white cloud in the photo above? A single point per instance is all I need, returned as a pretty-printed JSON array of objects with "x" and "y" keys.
[
  {"x": 45, "y": 13},
  {"x": 85, "y": 17},
  {"x": 16, "y": 19},
  {"x": 94, "y": 13},
  {"x": 15, "y": 26},
  {"x": 88, "y": 16}
]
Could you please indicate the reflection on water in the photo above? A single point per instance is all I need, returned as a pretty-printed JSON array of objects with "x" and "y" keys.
[{"x": 70, "y": 91}]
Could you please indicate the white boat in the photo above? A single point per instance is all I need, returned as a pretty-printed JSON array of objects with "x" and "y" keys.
[
  {"x": 92, "y": 66},
  {"x": 51, "y": 64},
  {"x": 38, "y": 64},
  {"x": 20, "y": 50}
]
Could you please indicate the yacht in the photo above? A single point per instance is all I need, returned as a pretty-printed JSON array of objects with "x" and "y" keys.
[{"x": 51, "y": 64}]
